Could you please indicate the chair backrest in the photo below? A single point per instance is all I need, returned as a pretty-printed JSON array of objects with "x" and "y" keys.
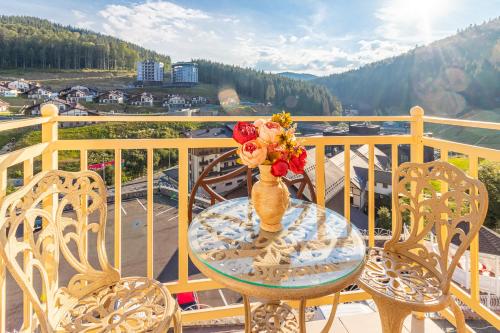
[
  {"x": 456, "y": 215},
  {"x": 205, "y": 181},
  {"x": 63, "y": 202}
]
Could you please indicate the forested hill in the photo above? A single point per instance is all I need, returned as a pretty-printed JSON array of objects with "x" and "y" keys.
[
  {"x": 449, "y": 77},
  {"x": 29, "y": 42},
  {"x": 297, "y": 97}
]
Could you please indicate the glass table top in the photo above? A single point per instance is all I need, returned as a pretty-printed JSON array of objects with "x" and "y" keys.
[{"x": 316, "y": 245}]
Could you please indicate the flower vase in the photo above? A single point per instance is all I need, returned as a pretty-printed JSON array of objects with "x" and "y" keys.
[{"x": 270, "y": 199}]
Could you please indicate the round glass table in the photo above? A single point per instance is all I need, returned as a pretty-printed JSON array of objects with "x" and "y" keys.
[{"x": 317, "y": 253}]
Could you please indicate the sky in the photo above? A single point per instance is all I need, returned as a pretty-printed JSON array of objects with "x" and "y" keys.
[{"x": 304, "y": 36}]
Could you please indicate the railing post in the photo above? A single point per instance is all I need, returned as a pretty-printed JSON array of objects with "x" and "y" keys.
[
  {"x": 49, "y": 135},
  {"x": 49, "y": 162},
  {"x": 417, "y": 133},
  {"x": 417, "y": 156}
]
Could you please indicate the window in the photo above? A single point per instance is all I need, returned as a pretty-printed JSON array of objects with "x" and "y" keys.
[
  {"x": 239, "y": 180},
  {"x": 229, "y": 184},
  {"x": 385, "y": 185}
]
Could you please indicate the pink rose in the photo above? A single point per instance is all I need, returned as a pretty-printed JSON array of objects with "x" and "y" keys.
[
  {"x": 270, "y": 131},
  {"x": 252, "y": 153},
  {"x": 259, "y": 122}
]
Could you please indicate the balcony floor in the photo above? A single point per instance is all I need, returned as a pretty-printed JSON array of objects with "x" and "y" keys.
[{"x": 351, "y": 318}]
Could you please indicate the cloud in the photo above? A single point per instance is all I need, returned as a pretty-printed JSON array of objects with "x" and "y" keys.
[
  {"x": 411, "y": 20},
  {"x": 186, "y": 33}
]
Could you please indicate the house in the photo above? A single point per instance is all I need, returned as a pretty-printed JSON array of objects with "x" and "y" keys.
[
  {"x": 111, "y": 97},
  {"x": 359, "y": 173},
  {"x": 175, "y": 101},
  {"x": 6, "y": 92},
  {"x": 77, "y": 110},
  {"x": 76, "y": 94},
  {"x": 4, "y": 106},
  {"x": 334, "y": 176},
  {"x": 40, "y": 93},
  {"x": 144, "y": 99},
  {"x": 20, "y": 85},
  {"x": 198, "y": 100},
  {"x": 62, "y": 106}
]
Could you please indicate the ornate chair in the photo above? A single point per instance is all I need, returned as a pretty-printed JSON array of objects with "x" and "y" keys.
[
  {"x": 96, "y": 298},
  {"x": 411, "y": 274},
  {"x": 205, "y": 181}
]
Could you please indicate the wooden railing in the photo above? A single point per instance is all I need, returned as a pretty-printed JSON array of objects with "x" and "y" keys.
[{"x": 51, "y": 145}]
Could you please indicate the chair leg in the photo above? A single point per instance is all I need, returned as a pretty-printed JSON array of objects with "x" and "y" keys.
[
  {"x": 459, "y": 317},
  {"x": 177, "y": 322},
  {"x": 391, "y": 314}
]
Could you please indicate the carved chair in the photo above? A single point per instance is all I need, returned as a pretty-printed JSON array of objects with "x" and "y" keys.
[
  {"x": 205, "y": 181},
  {"x": 96, "y": 298},
  {"x": 411, "y": 275}
]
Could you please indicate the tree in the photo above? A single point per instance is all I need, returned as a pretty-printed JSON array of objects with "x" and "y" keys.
[
  {"x": 489, "y": 174},
  {"x": 270, "y": 92},
  {"x": 384, "y": 219}
]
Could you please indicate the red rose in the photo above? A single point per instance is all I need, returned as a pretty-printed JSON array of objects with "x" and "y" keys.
[
  {"x": 297, "y": 163},
  {"x": 244, "y": 132},
  {"x": 279, "y": 168}
]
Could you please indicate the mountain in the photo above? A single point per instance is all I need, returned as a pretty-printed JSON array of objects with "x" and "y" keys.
[
  {"x": 298, "y": 76},
  {"x": 297, "y": 97},
  {"x": 457, "y": 76},
  {"x": 30, "y": 42}
]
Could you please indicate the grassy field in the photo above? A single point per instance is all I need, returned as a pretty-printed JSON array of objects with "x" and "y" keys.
[
  {"x": 60, "y": 79},
  {"x": 124, "y": 108},
  {"x": 207, "y": 90}
]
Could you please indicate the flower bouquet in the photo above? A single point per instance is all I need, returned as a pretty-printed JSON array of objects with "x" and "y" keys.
[{"x": 272, "y": 146}]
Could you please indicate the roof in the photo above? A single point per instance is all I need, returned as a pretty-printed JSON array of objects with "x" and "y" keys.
[
  {"x": 215, "y": 132},
  {"x": 138, "y": 97},
  {"x": 113, "y": 92},
  {"x": 334, "y": 176},
  {"x": 489, "y": 241},
  {"x": 382, "y": 162}
]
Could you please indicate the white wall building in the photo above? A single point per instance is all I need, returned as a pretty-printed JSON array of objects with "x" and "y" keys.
[
  {"x": 150, "y": 70},
  {"x": 185, "y": 72}
]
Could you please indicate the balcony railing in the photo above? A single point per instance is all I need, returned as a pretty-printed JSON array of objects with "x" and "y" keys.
[{"x": 51, "y": 145}]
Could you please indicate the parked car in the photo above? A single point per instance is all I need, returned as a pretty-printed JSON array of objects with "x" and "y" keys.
[{"x": 188, "y": 300}]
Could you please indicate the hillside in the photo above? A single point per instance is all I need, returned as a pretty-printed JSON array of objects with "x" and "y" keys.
[
  {"x": 297, "y": 97},
  {"x": 298, "y": 76},
  {"x": 29, "y": 42},
  {"x": 454, "y": 77}
]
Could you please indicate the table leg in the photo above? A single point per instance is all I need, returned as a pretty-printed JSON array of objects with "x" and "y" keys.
[
  {"x": 335, "y": 304},
  {"x": 248, "y": 314},
  {"x": 302, "y": 315}
]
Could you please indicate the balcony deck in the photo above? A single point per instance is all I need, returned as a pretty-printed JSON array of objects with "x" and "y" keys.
[{"x": 360, "y": 317}]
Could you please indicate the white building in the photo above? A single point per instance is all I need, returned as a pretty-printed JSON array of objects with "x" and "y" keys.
[
  {"x": 199, "y": 159},
  {"x": 20, "y": 85},
  {"x": 6, "y": 92},
  {"x": 185, "y": 72},
  {"x": 144, "y": 99},
  {"x": 4, "y": 106},
  {"x": 112, "y": 97},
  {"x": 150, "y": 70},
  {"x": 41, "y": 93}
]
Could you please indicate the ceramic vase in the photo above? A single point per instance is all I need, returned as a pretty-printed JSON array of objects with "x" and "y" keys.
[{"x": 270, "y": 199}]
